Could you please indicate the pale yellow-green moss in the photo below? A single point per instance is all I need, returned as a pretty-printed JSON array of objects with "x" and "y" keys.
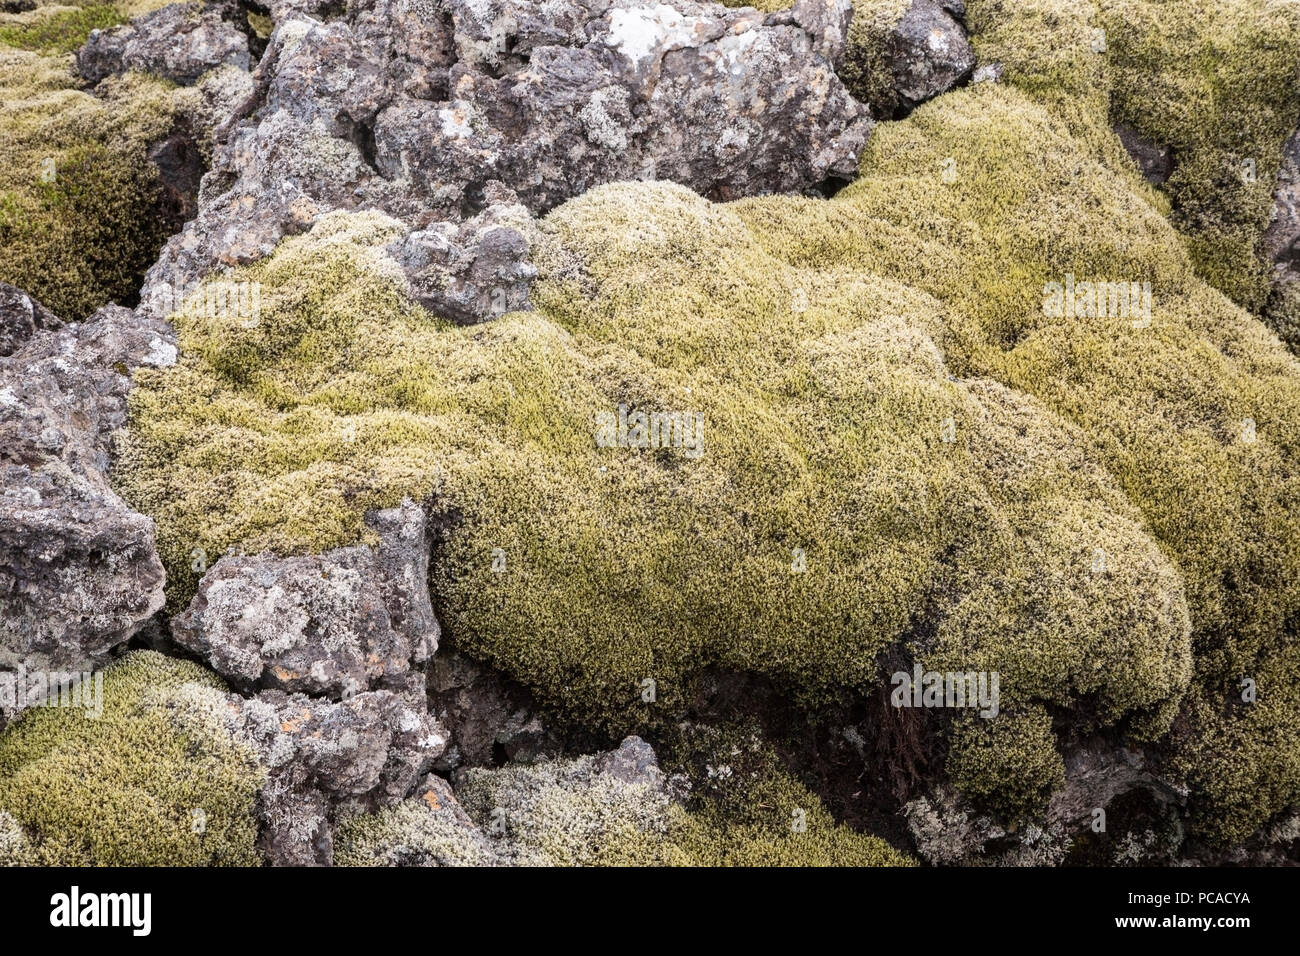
[
  {"x": 1214, "y": 79},
  {"x": 1010, "y": 761},
  {"x": 881, "y": 388},
  {"x": 145, "y": 783},
  {"x": 80, "y": 219}
]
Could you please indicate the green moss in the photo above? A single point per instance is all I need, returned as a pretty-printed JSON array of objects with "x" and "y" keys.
[
  {"x": 1197, "y": 417},
  {"x": 1010, "y": 761},
  {"x": 863, "y": 68},
  {"x": 1213, "y": 79},
  {"x": 62, "y": 31},
  {"x": 766, "y": 6},
  {"x": 1241, "y": 757},
  {"x": 824, "y": 432},
  {"x": 1283, "y": 314},
  {"x": 261, "y": 25},
  {"x": 992, "y": 486},
  {"x": 145, "y": 783},
  {"x": 80, "y": 219}
]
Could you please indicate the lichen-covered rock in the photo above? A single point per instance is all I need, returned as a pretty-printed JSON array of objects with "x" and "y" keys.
[
  {"x": 614, "y": 808},
  {"x": 475, "y": 270},
  {"x": 79, "y": 571},
  {"x": 392, "y": 107},
  {"x": 1280, "y": 247},
  {"x": 948, "y": 832},
  {"x": 925, "y": 52},
  {"x": 892, "y": 55},
  {"x": 333, "y": 757},
  {"x": 20, "y": 318},
  {"x": 331, "y": 625},
  {"x": 179, "y": 42}
]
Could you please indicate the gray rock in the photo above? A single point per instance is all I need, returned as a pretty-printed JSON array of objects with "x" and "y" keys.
[
  {"x": 179, "y": 42},
  {"x": 1281, "y": 242},
  {"x": 1280, "y": 248},
  {"x": 491, "y": 719},
  {"x": 79, "y": 570},
  {"x": 827, "y": 22},
  {"x": 450, "y": 114},
  {"x": 328, "y": 758},
  {"x": 21, "y": 317},
  {"x": 633, "y": 762},
  {"x": 946, "y": 830},
  {"x": 474, "y": 270},
  {"x": 928, "y": 52},
  {"x": 335, "y": 624}
]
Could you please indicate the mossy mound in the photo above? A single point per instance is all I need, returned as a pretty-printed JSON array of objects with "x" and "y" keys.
[
  {"x": 901, "y": 444},
  {"x": 1214, "y": 79},
  {"x": 1196, "y": 416},
  {"x": 826, "y": 512},
  {"x": 147, "y": 782},
  {"x": 80, "y": 212}
]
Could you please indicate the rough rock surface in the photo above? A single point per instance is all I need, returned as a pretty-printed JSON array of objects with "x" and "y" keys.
[
  {"x": 333, "y": 624},
  {"x": 21, "y": 317},
  {"x": 928, "y": 52},
  {"x": 179, "y": 42},
  {"x": 328, "y": 757},
  {"x": 490, "y": 718},
  {"x": 79, "y": 571},
  {"x": 1281, "y": 242},
  {"x": 476, "y": 269},
  {"x": 416, "y": 108},
  {"x": 332, "y": 647},
  {"x": 948, "y": 831}
]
